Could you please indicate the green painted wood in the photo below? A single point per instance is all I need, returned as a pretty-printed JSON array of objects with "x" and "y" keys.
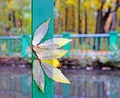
[
  {"x": 72, "y": 46},
  {"x": 66, "y": 87},
  {"x": 107, "y": 48},
  {"x": 86, "y": 45},
  {"x": 101, "y": 43},
  {"x": 25, "y": 85},
  {"x": 96, "y": 43},
  {"x": 77, "y": 44},
  {"x": 66, "y": 91},
  {"x": 12, "y": 46},
  {"x": 8, "y": 43},
  {"x": 113, "y": 39},
  {"x": 67, "y": 46},
  {"x": 113, "y": 93},
  {"x": 41, "y": 11}
]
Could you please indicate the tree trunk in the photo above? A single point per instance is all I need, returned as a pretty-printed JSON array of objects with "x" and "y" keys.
[
  {"x": 73, "y": 18},
  {"x": 14, "y": 18},
  {"x": 62, "y": 24},
  {"x": 79, "y": 20},
  {"x": 101, "y": 20},
  {"x": 66, "y": 19},
  {"x": 86, "y": 24},
  {"x": 98, "y": 22},
  {"x": 114, "y": 17}
]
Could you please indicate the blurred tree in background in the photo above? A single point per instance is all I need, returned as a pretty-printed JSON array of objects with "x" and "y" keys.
[
  {"x": 13, "y": 11},
  {"x": 78, "y": 16},
  {"x": 87, "y": 16}
]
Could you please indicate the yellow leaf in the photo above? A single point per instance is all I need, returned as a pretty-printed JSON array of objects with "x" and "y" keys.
[
  {"x": 96, "y": 4},
  {"x": 54, "y": 73},
  {"x": 72, "y": 2},
  {"x": 54, "y": 62},
  {"x": 87, "y": 4},
  {"x": 107, "y": 4}
]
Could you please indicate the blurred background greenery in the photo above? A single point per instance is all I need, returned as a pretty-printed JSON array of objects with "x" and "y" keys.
[
  {"x": 12, "y": 11},
  {"x": 76, "y": 16},
  {"x": 87, "y": 16}
]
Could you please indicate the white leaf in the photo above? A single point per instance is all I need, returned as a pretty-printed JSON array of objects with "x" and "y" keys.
[
  {"x": 49, "y": 54},
  {"x": 38, "y": 74},
  {"x": 40, "y": 32},
  {"x": 54, "y": 73},
  {"x": 54, "y": 43}
]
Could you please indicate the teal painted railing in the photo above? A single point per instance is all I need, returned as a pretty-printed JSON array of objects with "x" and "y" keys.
[
  {"x": 11, "y": 45},
  {"x": 82, "y": 44},
  {"x": 91, "y": 44}
]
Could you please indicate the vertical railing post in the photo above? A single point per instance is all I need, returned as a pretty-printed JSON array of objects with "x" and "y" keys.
[
  {"x": 113, "y": 39},
  {"x": 66, "y": 91},
  {"x": 67, "y": 46},
  {"x": 66, "y": 87},
  {"x": 113, "y": 93},
  {"x": 41, "y": 11},
  {"x": 25, "y": 85}
]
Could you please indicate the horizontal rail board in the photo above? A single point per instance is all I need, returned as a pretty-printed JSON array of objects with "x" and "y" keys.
[
  {"x": 84, "y": 35},
  {"x": 10, "y": 37}
]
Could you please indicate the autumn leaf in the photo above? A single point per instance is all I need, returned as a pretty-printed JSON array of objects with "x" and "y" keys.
[
  {"x": 40, "y": 33},
  {"x": 54, "y": 62},
  {"x": 54, "y": 73},
  {"x": 38, "y": 74},
  {"x": 49, "y": 54},
  {"x": 54, "y": 43}
]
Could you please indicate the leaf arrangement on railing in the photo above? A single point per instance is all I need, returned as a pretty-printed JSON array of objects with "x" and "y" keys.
[{"x": 48, "y": 53}]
